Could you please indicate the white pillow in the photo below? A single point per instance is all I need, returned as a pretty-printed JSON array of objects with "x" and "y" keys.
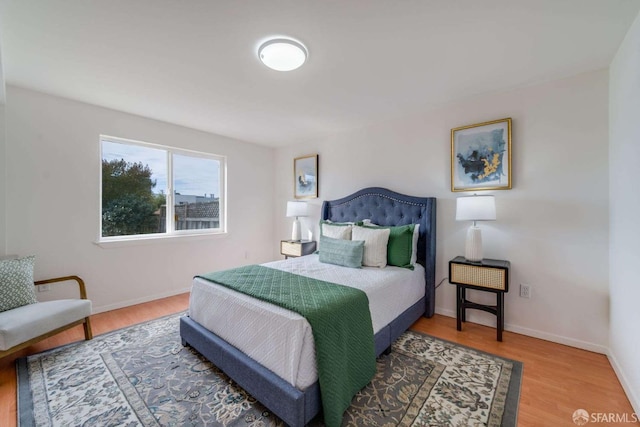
[
  {"x": 336, "y": 231},
  {"x": 414, "y": 249},
  {"x": 375, "y": 245},
  {"x": 416, "y": 235}
]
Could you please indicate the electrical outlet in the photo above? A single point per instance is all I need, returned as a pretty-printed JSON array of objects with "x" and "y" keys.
[
  {"x": 525, "y": 291},
  {"x": 44, "y": 288}
]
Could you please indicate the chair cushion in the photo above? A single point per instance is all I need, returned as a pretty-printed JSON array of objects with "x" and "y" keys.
[
  {"x": 29, "y": 321},
  {"x": 16, "y": 283}
]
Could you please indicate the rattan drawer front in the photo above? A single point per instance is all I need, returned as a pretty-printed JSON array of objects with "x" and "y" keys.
[
  {"x": 484, "y": 277},
  {"x": 292, "y": 249}
]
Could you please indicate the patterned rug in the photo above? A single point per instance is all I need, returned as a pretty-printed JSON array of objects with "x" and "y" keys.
[{"x": 143, "y": 376}]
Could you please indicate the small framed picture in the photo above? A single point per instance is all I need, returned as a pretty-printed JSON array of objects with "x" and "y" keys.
[
  {"x": 305, "y": 177},
  {"x": 481, "y": 156}
]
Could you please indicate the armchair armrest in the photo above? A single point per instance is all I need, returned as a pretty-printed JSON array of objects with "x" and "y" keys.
[{"x": 83, "y": 290}]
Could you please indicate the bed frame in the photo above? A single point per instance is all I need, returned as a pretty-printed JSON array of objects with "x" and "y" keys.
[{"x": 296, "y": 407}]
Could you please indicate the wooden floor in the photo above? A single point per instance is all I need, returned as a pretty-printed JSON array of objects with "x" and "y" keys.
[{"x": 557, "y": 379}]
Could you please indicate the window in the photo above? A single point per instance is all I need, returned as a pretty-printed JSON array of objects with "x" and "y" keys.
[{"x": 151, "y": 190}]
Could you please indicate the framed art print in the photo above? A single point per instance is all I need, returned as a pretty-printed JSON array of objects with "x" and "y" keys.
[
  {"x": 481, "y": 156},
  {"x": 305, "y": 177}
]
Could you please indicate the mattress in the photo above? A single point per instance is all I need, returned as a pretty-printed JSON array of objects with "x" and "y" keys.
[{"x": 282, "y": 340}]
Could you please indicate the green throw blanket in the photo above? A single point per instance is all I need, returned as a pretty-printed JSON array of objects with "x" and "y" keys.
[{"x": 339, "y": 317}]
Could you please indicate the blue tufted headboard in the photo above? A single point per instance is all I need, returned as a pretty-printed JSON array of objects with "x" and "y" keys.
[{"x": 386, "y": 207}]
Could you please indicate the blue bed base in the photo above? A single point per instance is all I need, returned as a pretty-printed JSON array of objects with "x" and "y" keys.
[{"x": 296, "y": 407}]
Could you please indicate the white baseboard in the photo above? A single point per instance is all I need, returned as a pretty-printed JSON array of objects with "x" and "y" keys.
[
  {"x": 445, "y": 312},
  {"x": 147, "y": 298},
  {"x": 634, "y": 399},
  {"x": 597, "y": 348},
  {"x": 571, "y": 342}
]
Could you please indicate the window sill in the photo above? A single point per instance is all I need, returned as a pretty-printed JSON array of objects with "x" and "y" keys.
[{"x": 153, "y": 240}]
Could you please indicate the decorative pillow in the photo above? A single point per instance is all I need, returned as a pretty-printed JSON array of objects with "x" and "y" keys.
[
  {"x": 400, "y": 246},
  {"x": 414, "y": 251},
  {"x": 375, "y": 245},
  {"x": 16, "y": 283},
  {"x": 347, "y": 253},
  {"x": 335, "y": 230}
]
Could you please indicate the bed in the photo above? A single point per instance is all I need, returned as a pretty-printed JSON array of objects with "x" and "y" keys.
[{"x": 296, "y": 399}]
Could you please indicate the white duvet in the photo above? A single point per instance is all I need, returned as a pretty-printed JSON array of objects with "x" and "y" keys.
[{"x": 281, "y": 340}]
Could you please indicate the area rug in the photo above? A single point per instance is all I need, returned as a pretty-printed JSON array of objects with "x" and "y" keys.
[{"x": 143, "y": 376}]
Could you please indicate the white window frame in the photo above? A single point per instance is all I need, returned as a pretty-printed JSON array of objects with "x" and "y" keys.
[{"x": 171, "y": 233}]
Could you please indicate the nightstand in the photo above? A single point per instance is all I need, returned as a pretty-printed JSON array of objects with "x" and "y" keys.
[
  {"x": 293, "y": 248},
  {"x": 489, "y": 275}
]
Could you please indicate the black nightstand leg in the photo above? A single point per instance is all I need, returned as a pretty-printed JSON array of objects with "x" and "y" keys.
[
  {"x": 459, "y": 309},
  {"x": 500, "y": 313},
  {"x": 463, "y": 299}
]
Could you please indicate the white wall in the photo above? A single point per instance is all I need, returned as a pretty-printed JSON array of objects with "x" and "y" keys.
[
  {"x": 553, "y": 224},
  {"x": 3, "y": 226},
  {"x": 53, "y": 197},
  {"x": 624, "y": 254},
  {"x": 3, "y": 180}
]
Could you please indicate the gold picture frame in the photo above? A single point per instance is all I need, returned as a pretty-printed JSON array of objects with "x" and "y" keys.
[
  {"x": 481, "y": 156},
  {"x": 305, "y": 177}
]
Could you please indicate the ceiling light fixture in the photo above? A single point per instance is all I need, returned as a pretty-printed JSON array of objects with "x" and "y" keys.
[{"x": 282, "y": 54}]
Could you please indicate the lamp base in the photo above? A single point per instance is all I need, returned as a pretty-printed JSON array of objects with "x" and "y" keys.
[
  {"x": 473, "y": 246},
  {"x": 296, "y": 232}
]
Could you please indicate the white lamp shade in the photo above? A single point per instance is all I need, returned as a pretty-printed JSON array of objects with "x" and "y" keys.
[
  {"x": 297, "y": 209},
  {"x": 476, "y": 208}
]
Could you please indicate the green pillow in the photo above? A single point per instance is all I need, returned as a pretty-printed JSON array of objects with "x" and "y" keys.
[
  {"x": 347, "y": 253},
  {"x": 16, "y": 283},
  {"x": 400, "y": 246}
]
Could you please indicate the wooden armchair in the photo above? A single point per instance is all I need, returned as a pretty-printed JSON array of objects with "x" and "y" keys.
[{"x": 23, "y": 326}]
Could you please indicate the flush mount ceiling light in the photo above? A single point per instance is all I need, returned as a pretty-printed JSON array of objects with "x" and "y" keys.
[{"x": 282, "y": 54}]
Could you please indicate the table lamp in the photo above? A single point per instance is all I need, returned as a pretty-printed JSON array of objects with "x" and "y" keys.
[
  {"x": 296, "y": 209},
  {"x": 475, "y": 208}
]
